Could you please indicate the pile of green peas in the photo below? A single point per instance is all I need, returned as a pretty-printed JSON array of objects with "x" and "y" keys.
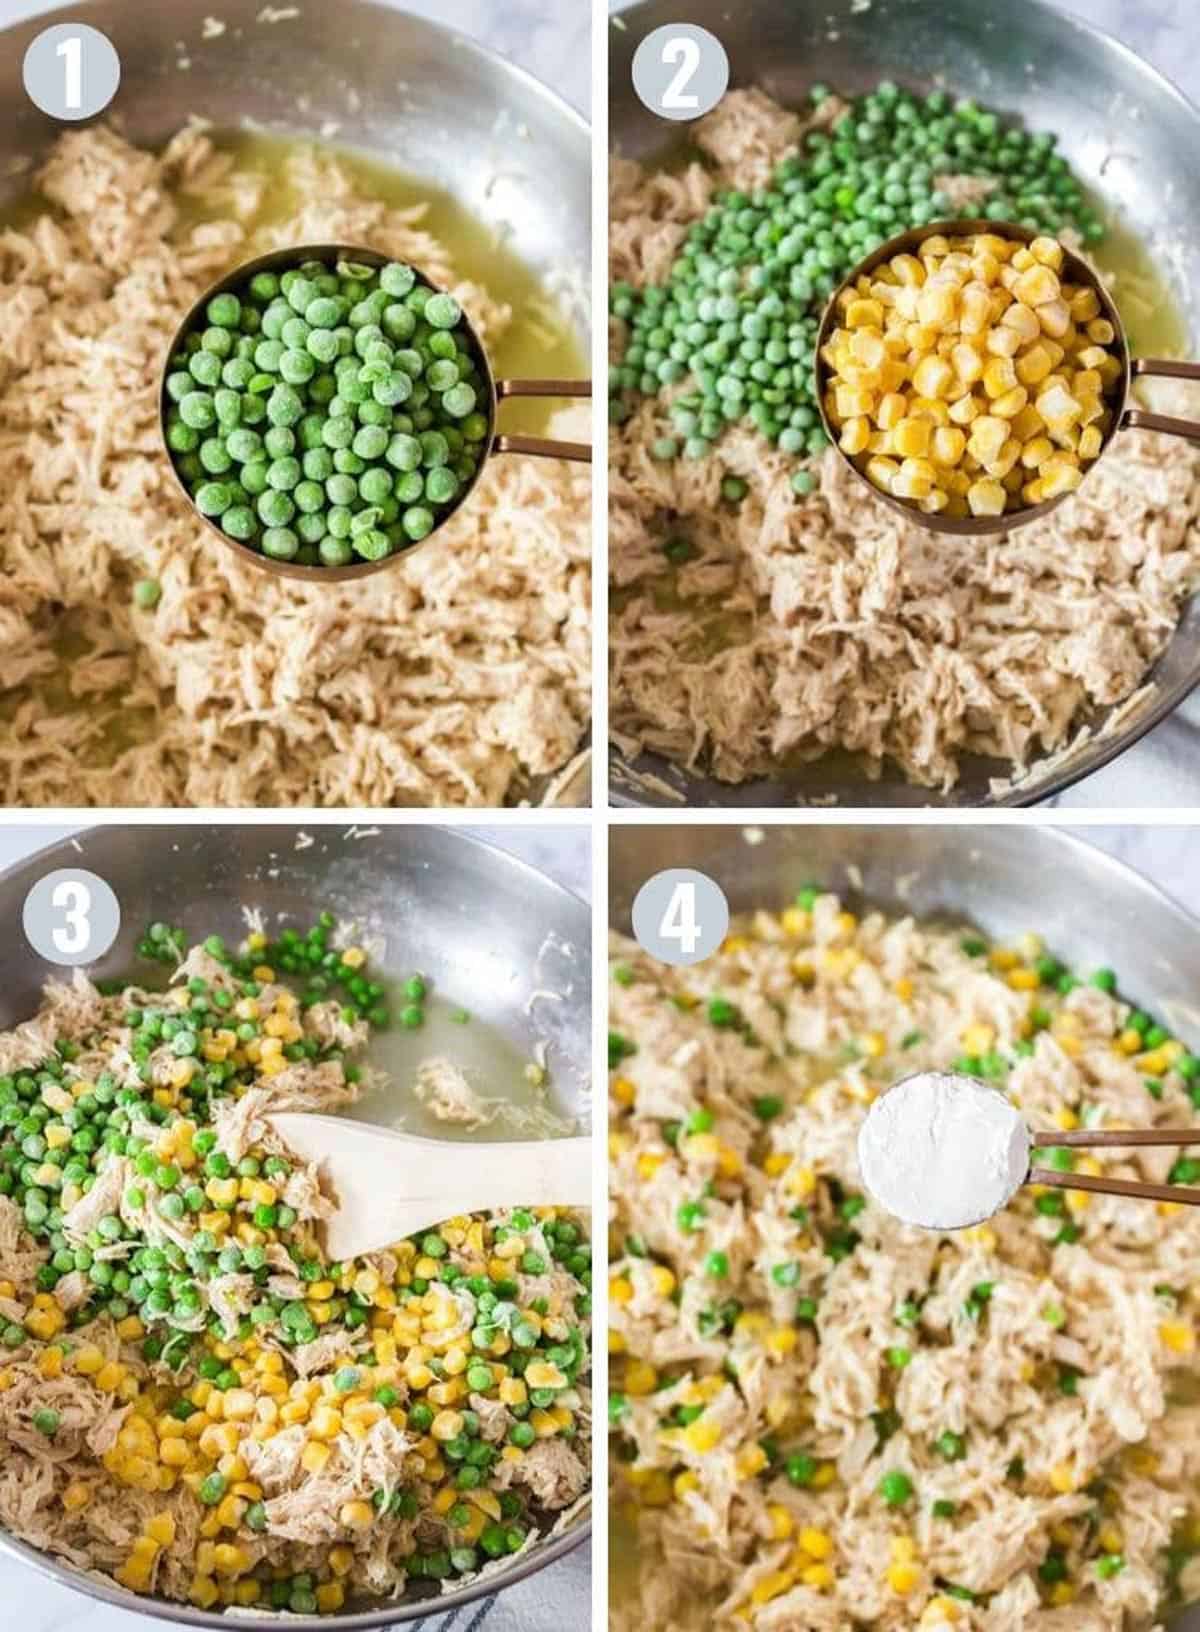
[
  {"x": 736, "y": 319},
  {"x": 330, "y": 415},
  {"x": 162, "y": 1282}
]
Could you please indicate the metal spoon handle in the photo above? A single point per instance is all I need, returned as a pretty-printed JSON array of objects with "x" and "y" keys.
[
  {"x": 1167, "y": 369},
  {"x": 539, "y": 446}
]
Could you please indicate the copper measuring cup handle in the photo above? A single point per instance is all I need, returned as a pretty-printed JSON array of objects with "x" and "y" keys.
[
  {"x": 538, "y": 445},
  {"x": 1162, "y": 368}
]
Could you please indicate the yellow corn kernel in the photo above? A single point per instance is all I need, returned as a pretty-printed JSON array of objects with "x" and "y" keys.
[
  {"x": 700, "y": 1436},
  {"x": 778, "y": 1581},
  {"x": 782, "y": 1341},
  {"x": 77, "y": 1495},
  {"x": 890, "y": 410},
  {"x": 662, "y": 1280},
  {"x": 1178, "y": 1337},
  {"x": 978, "y": 1039},
  {"x": 856, "y": 434},
  {"x": 623, "y": 1091},
  {"x": 986, "y": 497},
  {"x": 816, "y": 1543},
  {"x": 1061, "y": 1478},
  {"x": 818, "y": 1576},
  {"x": 903, "y": 1578},
  {"x": 781, "y": 1521},
  {"x": 1091, "y": 439},
  {"x": 933, "y": 377},
  {"x": 948, "y": 445},
  {"x": 751, "y": 1460},
  {"x": 620, "y": 1289},
  {"x": 356, "y": 1515},
  {"x": 911, "y": 438}
]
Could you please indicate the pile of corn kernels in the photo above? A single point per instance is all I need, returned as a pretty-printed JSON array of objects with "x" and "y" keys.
[{"x": 969, "y": 379}]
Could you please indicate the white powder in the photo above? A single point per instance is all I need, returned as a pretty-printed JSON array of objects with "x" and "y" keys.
[{"x": 943, "y": 1151}]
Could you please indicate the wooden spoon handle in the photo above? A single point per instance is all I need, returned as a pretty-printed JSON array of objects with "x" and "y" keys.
[{"x": 390, "y": 1185}]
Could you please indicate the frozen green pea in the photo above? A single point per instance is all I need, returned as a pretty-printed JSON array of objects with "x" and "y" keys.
[
  {"x": 404, "y": 452},
  {"x": 417, "y": 522},
  {"x": 205, "y": 368},
  {"x": 372, "y": 545},
  {"x": 264, "y": 286},
  {"x": 396, "y": 279},
  {"x": 225, "y": 310},
  {"x": 182, "y": 438},
  {"x": 310, "y": 525},
  {"x": 267, "y": 355},
  {"x": 441, "y": 485},
  {"x": 318, "y": 464},
  {"x": 279, "y": 441},
  {"x": 341, "y": 489},
  {"x": 375, "y": 485},
  {"x": 370, "y": 442},
  {"x": 322, "y": 345},
  {"x": 284, "y": 406},
  {"x": 335, "y": 551},
  {"x": 237, "y": 374},
  {"x": 297, "y": 367},
  {"x": 219, "y": 341},
  {"x": 275, "y": 509},
  {"x": 212, "y": 498},
  {"x": 308, "y": 497},
  {"x": 398, "y": 322},
  {"x": 214, "y": 456},
  {"x": 283, "y": 474},
  {"x": 254, "y": 477},
  {"x": 460, "y": 400},
  {"x": 239, "y": 522},
  {"x": 442, "y": 311},
  {"x": 280, "y": 543}
]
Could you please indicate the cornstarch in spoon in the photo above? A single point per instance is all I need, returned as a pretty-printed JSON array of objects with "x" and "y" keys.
[{"x": 943, "y": 1151}]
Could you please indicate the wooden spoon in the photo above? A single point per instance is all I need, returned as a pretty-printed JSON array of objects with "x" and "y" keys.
[{"x": 389, "y": 1185}]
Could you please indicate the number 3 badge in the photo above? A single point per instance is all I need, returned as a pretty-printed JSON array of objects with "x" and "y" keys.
[{"x": 71, "y": 917}]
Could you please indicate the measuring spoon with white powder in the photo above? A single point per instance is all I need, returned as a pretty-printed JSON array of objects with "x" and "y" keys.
[{"x": 944, "y": 1151}]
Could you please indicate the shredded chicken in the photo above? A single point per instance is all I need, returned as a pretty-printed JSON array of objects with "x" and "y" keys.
[
  {"x": 455, "y": 678},
  {"x": 806, "y": 626},
  {"x": 445, "y": 1091},
  {"x": 86, "y": 1388},
  {"x": 782, "y": 1345}
]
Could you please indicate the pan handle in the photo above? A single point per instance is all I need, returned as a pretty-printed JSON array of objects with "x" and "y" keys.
[
  {"x": 1163, "y": 368},
  {"x": 540, "y": 446}
]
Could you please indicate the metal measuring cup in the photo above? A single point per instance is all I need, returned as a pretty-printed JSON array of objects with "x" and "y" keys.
[
  {"x": 496, "y": 391},
  {"x": 1123, "y": 416}
]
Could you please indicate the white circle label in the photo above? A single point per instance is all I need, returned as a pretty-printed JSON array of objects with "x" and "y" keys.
[
  {"x": 680, "y": 71},
  {"x": 680, "y": 916},
  {"x": 71, "y": 71},
  {"x": 71, "y": 917}
]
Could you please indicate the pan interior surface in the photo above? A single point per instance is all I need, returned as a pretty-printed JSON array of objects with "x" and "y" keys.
[
  {"x": 1005, "y": 881},
  {"x": 475, "y": 921},
  {"x": 1123, "y": 129}
]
